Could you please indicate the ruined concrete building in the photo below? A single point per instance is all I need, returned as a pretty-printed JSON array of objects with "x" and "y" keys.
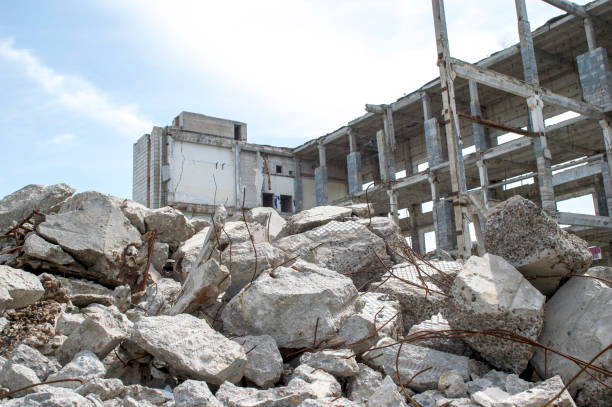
[{"x": 532, "y": 119}]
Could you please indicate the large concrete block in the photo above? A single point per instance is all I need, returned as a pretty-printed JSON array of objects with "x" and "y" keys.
[{"x": 523, "y": 234}]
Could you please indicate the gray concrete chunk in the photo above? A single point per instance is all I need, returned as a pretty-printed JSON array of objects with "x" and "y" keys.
[
  {"x": 287, "y": 304},
  {"x": 520, "y": 232},
  {"x": 489, "y": 293},
  {"x": 191, "y": 347},
  {"x": 23, "y": 288}
]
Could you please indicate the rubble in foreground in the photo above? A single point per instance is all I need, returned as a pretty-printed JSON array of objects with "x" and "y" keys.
[{"x": 108, "y": 303}]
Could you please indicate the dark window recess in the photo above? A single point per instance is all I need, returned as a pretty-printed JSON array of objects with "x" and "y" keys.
[
  {"x": 290, "y": 172},
  {"x": 237, "y": 132},
  {"x": 286, "y": 203},
  {"x": 268, "y": 200},
  {"x": 279, "y": 169}
]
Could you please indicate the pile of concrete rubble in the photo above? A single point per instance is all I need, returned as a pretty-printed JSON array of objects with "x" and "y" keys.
[{"x": 107, "y": 303}]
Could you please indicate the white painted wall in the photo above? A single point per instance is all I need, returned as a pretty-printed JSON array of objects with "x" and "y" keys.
[
  {"x": 192, "y": 167},
  {"x": 309, "y": 199}
]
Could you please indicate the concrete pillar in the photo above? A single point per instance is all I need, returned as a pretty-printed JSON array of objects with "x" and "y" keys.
[
  {"x": 321, "y": 178},
  {"x": 353, "y": 166},
  {"x": 393, "y": 205},
  {"x": 414, "y": 211},
  {"x": 352, "y": 141},
  {"x": 601, "y": 200},
  {"x": 298, "y": 198},
  {"x": 432, "y": 134},
  {"x": 589, "y": 31},
  {"x": 606, "y": 169},
  {"x": 443, "y": 219},
  {"x": 535, "y": 105},
  {"x": 237, "y": 180},
  {"x": 383, "y": 167},
  {"x": 481, "y": 143},
  {"x": 595, "y": 77}
]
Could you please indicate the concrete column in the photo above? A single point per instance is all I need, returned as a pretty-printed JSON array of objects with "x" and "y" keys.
[
  {"x": 601, "y": 199},
  {"x": 389, "y": 140},
  {"x": 595, "y": 77},
  {"x": 393, "y": 205},
  {"x": 297, "y": 186},
  {"x": 589, "y": 31},
  {"x": 382, "y": 156},
  {"x": 353, "y": 166},
  {"x": 414, "y": 211},
  {"x": 237, "y": 180},
  {"x": 352, "y": 141},
  {"x": 480, "y": 141},
  {"x": 433, "y": 142},
  {"x": 321, "y": 178},
  {"x": 543, "y": 156},
  {"x": 606, "y": 166},
  {"x": 443, "y": 219},
  {"x": 535, "y": 105}
]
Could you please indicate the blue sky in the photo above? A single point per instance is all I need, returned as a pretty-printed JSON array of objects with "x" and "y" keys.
[{"x": 82, "y": 80}]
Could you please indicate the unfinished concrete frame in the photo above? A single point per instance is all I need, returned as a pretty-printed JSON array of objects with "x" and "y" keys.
[{"x": 560, "y": 67}]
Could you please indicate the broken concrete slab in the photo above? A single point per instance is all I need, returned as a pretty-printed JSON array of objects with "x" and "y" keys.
[
  {"x": 14, "y": 376},
  {"x": 84, "y": 365},
  {"x": 453, "y": 386},
  {"x": 387, "y": 395},
  {"x": 236, "y": 232},
  {"x": 269, "y": 218},
  {"x": 542, "y": 393},
  {"x": 22, "y": 287},
  {"x": 578, "y": 321},
  {"x": 33, "y": 359},
  {"x": 47, "y": 396},
  {"x": 389, "y": 232},
  {"x": 364, "y": 384},
  {"x": 38, "y": 248},
  {"x": 491, "y": 397},
  {"x": 243, "y": 260},
  {"x": 362, "y": 210},
  {"x": 83, "y": 292},
  {"x": 329, "y": 402},
  {"x": 101, "y": 331},
  {"x": 316, "y": 383},
  {"x": 187, "y": 253},
  {"x": 488, "y": 294},
  {"x": 193, "y": 393},
  {"x": 104, "y": 389},
  {"x": 135, "y": 213},
  {"x": 523, "y": 234},
  {"x": 264, "y": 362},
  {"x": 341, "y": 362},
  {"x": 190, "y": 347},
  {"x": 311, "y": 218},
  {"x": 379, "y": 317},
  {"x": 287, "y": 304},
  {"x": 298, "y": 246},
  {"x": 439, "y": 272},
  {"x": 16, "y": 206},
  {"x": 412, "y": 359},
  {"x": 350, "y": 249},
  {"x": 171, "y": 225},
  {"x": 158, "y": 298},
  {"x": 418, "y": 304},
  {"x": 95, "y": 232},
  {"x": 306, "y": 383},
  {"x": 161, "y": 251},
  {"x": 203, "y": 285},
  {"x": 444, "y": 344}
]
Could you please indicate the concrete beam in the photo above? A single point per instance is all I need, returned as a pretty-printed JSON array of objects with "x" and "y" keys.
[
  {"x": 520, "y": 88},
  {"x": 578, "y": 219},
  {"x": 568, "y": 7}
]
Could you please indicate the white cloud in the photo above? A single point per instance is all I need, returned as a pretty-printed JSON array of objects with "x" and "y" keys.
[
  {"x": 317, "y": 63},
  {"x": 65, "y": 138},
  {"x": 76, "y": 94}
]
